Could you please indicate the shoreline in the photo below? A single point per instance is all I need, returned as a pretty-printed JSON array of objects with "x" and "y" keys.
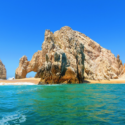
[
  {"x": 111, "y": 81},
  {"x": 35, "y": 81}
]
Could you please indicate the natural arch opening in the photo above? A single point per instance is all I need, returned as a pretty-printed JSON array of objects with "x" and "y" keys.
[{"x": 31, "y": 74}]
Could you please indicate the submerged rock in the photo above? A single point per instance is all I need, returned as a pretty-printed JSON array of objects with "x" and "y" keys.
[
  {"x": 2, "y": 71},
  {"x": 68, "y": 56}
]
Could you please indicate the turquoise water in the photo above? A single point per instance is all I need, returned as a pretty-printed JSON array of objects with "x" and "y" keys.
[{"x": 89, "y": 104}]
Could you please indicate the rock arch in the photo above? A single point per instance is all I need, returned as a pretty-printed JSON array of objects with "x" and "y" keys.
[{"x": 26, "y": 66}]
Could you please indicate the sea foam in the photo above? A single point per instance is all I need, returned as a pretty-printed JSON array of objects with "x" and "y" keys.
[{"x": 13, "y": 119}]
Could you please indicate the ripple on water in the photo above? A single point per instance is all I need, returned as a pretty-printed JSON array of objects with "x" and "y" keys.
[{"x": 65, "y": 104}]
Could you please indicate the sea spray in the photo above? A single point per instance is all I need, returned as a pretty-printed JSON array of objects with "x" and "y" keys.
[{"x": 13, "y": 119}]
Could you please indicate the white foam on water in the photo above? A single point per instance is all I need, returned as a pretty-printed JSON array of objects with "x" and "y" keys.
[
  {"x": 52, "y": 85},
  {"x": 17, "y": 83},
  {"x": 29, "y": 90},
  {"x": 13, "y": 119}
]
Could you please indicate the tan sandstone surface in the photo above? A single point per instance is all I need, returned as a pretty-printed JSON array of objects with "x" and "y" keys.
[
  {"x": 2, "y": 71},
  {"x": 67, "y": 56}
]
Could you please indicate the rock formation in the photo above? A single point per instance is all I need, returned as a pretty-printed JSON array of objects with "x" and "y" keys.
[
  {"x": 62, "y": 64},
  {"x": 26, "y": 66},
  {"x": 2, "y": 71},
  {"x": 68, "y": 56},
  {"x": 53, "y": 64}
]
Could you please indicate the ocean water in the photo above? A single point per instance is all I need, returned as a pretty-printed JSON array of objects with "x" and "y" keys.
[{"x": 78, "y": 104}]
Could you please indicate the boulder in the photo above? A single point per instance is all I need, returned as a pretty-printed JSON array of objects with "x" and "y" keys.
[{"x": 2, "y": 71}]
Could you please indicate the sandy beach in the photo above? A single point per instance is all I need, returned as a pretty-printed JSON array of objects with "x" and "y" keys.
[
  {"x": 35, "y": 81},
  {"x": 111, "y": 81}
]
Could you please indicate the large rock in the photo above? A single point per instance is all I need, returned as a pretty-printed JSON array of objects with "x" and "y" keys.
[
  {"x": 2, "y": 71},
  {"x": 62, "y": 59},
  {"x": 53, "y": 64},
  {"x": 62, "y": 64}
]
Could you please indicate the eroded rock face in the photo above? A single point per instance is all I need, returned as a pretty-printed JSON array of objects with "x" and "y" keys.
[
  {"x": 122, "y": 76},
  {"x": 124, "y": 68},
  {"x": 68, "y": 56},
  {"x": 100, "y": 63},
  {"x": 62, "y": 64},
  {"x": 2, "y": 71}
]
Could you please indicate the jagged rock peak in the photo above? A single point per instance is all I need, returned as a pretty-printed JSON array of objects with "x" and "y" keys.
[
  {"x": 65, "y": 28},
  {"x": 100, "y": 63},
  {"x": 2, "y": 71},
  {"x": 63, "y": 60}
]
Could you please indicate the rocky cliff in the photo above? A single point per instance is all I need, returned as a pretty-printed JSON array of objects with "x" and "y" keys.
[
  {"x": 69, "y": 56},
  {"x": 2, "y": 71}
]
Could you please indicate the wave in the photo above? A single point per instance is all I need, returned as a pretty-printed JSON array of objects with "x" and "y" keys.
[
  {"x": 13, "y": 119},
  {"x": 17, "y": 83},
  {"x": 29, "y": 90},
  {"x": 52, "y": 84}
]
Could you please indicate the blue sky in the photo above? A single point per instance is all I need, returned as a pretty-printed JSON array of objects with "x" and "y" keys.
[{"x": 23, "y": 23}]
